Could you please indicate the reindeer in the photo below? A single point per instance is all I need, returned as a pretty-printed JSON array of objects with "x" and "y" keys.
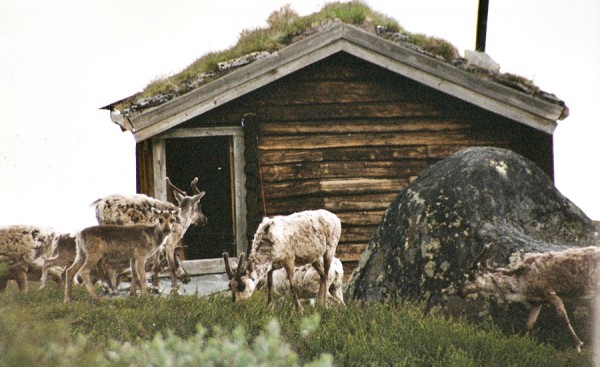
[
  {"x": 307, "y": 280},
  {"x": 137, "y": 209},
  {"x": 542, "y": 278},
  {"x": 63, "y": 254},
  {"x": 22, "y": 252},
  {"x": 134, "y": 241},
  {"x": 308, "y": 237}
]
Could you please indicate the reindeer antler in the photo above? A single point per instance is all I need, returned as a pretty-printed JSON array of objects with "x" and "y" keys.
[
  {"x": 175, "y": 188},
  {"x": 194, "y": 187},
  {"x": 228, "y": 266},
  {"x": 485, "y": 252}
]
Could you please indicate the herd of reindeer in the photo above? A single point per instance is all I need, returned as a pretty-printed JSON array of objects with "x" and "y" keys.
[
  {"x": 139, "y": 235},
  {"x": 293, "y": 254}
]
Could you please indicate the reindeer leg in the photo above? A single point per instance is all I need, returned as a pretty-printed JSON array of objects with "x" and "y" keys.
[
  {"x": 155, "y": 268},
  {"x": 170, "y": 248},
  {"x": 319, "y": 268},
  {"x": 562, "y": 312},
  {"x": 45, "y": 268},
  {"x": 70, "y": 274},
  {"x": 270, "y": 289},
  {"x": 327, "y": 259},
  {"x": 140, "y": 263},
  {"x": 289, "y": 269},
  {"x": 22, "y": 280},
  {"x": 534, "y": 312},
  {"x": 57, "y": 276},
  {"x": 135, "y": 277},
  {"x": 84, "y": 272}
]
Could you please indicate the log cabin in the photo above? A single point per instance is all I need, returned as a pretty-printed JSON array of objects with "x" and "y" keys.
[{"x": 342, "y": 120}]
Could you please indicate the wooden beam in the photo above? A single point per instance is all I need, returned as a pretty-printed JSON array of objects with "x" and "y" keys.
[{"x": 206, "y": 266}]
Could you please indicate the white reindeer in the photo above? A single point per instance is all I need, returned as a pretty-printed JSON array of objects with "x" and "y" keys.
[
  {"x": 22, "y": 252},
  {"x": 138, "y": 209},
  {"x": 542, "y": 278},
  {"x": 308, "y": 281},
  {"x": 134, "y": 241},
  {"x": 308, "y": 237}
]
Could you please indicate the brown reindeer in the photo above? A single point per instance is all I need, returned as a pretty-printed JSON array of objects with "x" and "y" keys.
[
  {"x": 134, "y": 241},
  {"x": 542, "y": 278},
  {"x": 308, "y": 237},
  {"x": 138, "y": 209},
  {"x": 63, "y": 254}
]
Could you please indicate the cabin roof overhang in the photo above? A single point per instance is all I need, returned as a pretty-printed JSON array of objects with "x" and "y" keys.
[{"x": 438, "y": 74}]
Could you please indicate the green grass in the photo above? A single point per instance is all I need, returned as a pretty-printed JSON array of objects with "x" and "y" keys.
[{"x": 35, "y": 324}]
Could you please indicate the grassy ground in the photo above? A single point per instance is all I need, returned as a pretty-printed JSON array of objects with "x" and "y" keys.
[{"x": 37, "y": 324}]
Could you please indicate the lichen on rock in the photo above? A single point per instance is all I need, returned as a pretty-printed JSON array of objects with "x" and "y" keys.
[{"x": 434, "y": 229}]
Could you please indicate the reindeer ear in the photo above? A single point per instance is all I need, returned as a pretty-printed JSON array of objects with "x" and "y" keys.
[
  {"x": 240, "y": 265},
  {"x": 230, "y": 274}
]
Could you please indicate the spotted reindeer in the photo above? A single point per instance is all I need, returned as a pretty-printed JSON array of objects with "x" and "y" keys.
[
  {"x": 139, "y": 209},
  {"x": 308, "y": 237},
  {"x": 22, "y": 252},
  {"x": 307, "y": 280}
]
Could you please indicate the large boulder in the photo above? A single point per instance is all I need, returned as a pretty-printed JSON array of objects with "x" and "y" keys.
[{"x": 435, "y": 228}]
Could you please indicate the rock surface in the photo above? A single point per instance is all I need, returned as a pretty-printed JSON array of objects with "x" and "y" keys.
[{"x": 434, "y": 229}]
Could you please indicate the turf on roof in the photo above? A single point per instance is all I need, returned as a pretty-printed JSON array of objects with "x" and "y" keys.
[{"x": 285, "y": 27}]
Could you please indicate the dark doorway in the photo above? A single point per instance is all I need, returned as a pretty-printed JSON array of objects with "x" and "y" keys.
[{"x": 209, "y": 159}]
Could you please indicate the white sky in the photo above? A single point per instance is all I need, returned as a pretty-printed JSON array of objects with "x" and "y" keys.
[{"x": 60, "y": 61}]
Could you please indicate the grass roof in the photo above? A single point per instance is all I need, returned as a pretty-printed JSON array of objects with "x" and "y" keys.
[{"x": 285, "y": 27}]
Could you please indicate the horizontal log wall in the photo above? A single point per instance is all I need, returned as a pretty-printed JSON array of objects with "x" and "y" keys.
[{"x": 347, "y": 136}]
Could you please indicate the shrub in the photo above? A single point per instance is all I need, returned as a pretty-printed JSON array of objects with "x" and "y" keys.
[{"x": 234, "y": 349}]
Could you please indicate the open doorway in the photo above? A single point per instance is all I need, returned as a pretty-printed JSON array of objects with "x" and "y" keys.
[{"x": 210, "y": 159}]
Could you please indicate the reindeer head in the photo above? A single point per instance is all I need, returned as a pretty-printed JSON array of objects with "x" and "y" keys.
[
  {"x": 166, "y": 219},
  {"x": 191, "y": 208},
  {"x": 475, "y": 278},
  {"x": 241, "y": 285}
]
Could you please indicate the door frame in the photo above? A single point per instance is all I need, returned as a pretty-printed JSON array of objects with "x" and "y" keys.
[{"x": 239, "y": 176}]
